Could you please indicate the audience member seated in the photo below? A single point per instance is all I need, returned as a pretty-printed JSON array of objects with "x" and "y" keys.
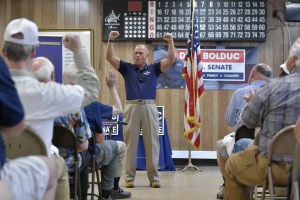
[
  {"x": 32, "y": 177},
  {"x": 108, "y": 157},
  {"x": 77, "y": 122},
  {"x": 97, "y": 111},
  {"x": 272, "y": 108},
  {"x": 43, "y": 102},
  {"x": 259, "y": 75}
]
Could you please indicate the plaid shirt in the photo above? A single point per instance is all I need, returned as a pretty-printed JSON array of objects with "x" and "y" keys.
[
  {"x": 78, "y": 123},
  {"x": 274, "y": 107},
  {"x": 237, "y": 103}
]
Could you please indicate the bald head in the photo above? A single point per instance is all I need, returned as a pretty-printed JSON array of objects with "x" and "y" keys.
[
  {"x": 260, "y": 71},
  {"x": 42, "y": 69},
  {"x": 140, "y": 55},
  {"x": 142, "y": 47}
]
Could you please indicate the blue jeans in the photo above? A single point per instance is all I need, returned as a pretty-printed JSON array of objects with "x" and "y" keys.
[{"x": 241, "y": 144}]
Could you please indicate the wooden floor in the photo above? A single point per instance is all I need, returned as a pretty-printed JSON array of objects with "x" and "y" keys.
[{"x": 176, "y": 185}]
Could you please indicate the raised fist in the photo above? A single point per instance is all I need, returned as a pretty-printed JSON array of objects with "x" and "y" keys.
[
  {"x": 168, "y": 37},
  {"x": 72, "y": 42},
  {"x": 113, "y": 35}
]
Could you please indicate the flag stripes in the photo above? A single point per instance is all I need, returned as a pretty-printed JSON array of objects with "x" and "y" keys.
[{"x": 192, "y": 72}]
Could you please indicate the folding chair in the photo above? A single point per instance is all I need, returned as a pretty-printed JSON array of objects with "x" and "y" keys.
[
  {"x": 95, "y": 171},
  {"x": 26, "y": 144},
  {"x": 65, "y": 138},
  {"x": 295, "y": 182},
  {"x": 283, "y": 143}
]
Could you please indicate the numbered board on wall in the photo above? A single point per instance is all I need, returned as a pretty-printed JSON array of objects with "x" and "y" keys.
[{"x": 218, "y": 20}]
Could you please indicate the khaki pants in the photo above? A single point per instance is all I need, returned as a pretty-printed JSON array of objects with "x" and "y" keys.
[
  {"x": 63, "y": 187},
  {"x": 121, "y": 158},
  {"x": 248, "y": 168},
  {"x": 143, "y": 116}
]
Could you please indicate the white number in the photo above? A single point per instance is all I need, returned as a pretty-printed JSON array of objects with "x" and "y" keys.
[
  {"x": 159, "y": 12},
  {"x": 254, "y": 34},
  {"x": 174, "y": 12},
  {"x": 211, "y": 34},
  {"x": 225, "y": 35},
  {"x": 173, "y": 19}
]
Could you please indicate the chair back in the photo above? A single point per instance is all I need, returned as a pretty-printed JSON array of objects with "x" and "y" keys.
[
  {"x": 64, "y": 138},
  {"x": 283, "y": 143},
  {"x": 94, "y": 169},
  {"x": 26, "y": 144},
  {"x": 295, "y": 181}
]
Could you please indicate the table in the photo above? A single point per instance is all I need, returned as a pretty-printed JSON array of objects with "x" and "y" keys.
[{"x": 165, "y": 153}]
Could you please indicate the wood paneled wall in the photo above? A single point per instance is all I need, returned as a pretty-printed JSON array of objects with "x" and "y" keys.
[{"x": 88, "y": 14}]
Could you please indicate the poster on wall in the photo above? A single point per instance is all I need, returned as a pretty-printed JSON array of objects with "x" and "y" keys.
[
  {"x": 51, "y": 47},
  {"x": 224, "y": 68},
  {"x": 172, "y": 78}
]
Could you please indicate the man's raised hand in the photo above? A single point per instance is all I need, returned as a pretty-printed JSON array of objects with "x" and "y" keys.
[{"x": 113, "y": 35}]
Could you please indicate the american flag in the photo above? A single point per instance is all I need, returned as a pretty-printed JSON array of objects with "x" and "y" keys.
[{"x": 194, "y": 89}]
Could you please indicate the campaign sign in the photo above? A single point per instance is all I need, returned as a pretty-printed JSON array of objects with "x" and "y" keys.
[
  {"x": 225, "y": 68},
  {"x": 161, "y": 121},
  {"x": 106, "y": 124},
  {"x": 223, "y": 64}
]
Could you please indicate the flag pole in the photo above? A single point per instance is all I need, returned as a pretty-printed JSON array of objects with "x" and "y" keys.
[{"x": 190, "y": 164}]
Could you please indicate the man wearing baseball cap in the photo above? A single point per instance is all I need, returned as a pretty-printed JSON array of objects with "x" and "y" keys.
[
  {"x": 43, "y": 102},
  {"x": 15, "y": 174}
]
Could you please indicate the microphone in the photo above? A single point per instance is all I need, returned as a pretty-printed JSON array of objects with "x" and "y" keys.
[{"x": 121, "y": 122}]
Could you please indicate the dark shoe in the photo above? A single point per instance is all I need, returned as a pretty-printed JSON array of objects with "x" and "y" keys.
[
  {"x": 220, "y": 194},
  {"x": 119, "y": 194},
  {"x": 154, "y": 184},
  {"x": 109, "y": 198},
  {"x": 129, "y": 184}
]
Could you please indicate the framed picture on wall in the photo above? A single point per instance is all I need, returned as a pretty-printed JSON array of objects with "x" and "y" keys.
[{"x": 51, "y": 46}]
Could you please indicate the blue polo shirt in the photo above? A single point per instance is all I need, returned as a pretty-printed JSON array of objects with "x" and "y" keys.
[
  {"x": 11, "y": 109},
  {"x": 95, "y": 112},
  {"x": 140, "y": 84}
]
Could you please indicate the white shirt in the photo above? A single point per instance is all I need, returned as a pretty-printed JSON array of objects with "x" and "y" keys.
[{"x": 43, "y": 102}]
